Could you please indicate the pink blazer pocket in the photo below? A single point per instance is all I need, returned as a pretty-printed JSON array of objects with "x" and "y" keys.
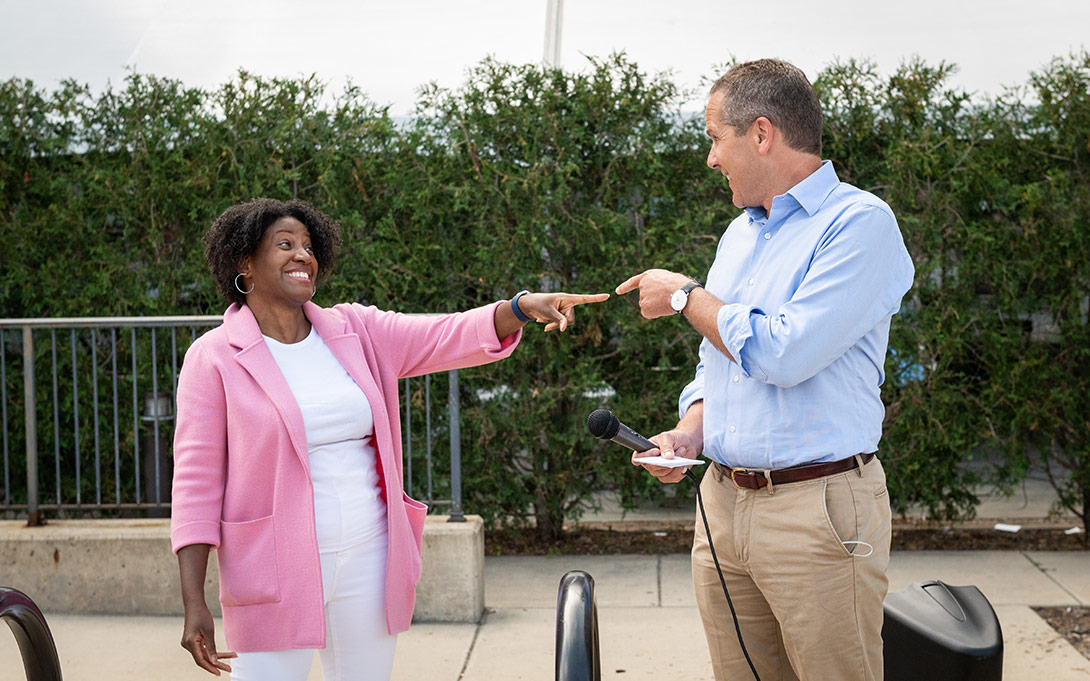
[
  {"x": 416, "y": 512},
  {"x": 247, "y": 562}
]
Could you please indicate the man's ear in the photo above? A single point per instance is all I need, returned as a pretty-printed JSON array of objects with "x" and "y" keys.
[{"x": 764, "y": 133}]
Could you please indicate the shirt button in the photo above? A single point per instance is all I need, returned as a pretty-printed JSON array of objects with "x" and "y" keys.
[
  {"x": 768, "y": 235},
  {"x": 751, "y": 282},
  {"x": 732, "y": 429},
  {"x": 736, "y": 379}
]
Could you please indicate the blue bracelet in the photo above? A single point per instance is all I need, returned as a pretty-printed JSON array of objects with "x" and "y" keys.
[{"x": 515, "y": 307}]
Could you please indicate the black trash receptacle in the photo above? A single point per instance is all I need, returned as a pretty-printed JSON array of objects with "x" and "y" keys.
[{"x": 941, "y": 633}]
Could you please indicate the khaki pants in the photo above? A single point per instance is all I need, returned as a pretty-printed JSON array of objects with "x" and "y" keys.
[{"x": 809, "y": 605}]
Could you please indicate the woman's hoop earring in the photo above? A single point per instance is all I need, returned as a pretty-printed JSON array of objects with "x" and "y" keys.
[{"x": 239, "y": 288}]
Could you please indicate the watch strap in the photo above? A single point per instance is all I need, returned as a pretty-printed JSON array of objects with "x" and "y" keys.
[{"x": 686, "y": 289}]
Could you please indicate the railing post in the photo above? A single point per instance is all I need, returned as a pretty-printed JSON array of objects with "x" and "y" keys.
[
  {"x": 30, "y": 408},
  {"x": 456, "y": 515},
  {"x": 158, "y": 470}
]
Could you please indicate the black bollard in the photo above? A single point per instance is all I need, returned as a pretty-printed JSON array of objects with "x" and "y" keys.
[
  {"x": 577, "y": 656},
  {"x": 32, "y": 634}
]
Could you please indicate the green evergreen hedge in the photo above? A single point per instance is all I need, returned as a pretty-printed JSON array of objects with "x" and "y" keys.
[{"x": 525, "y": 177}]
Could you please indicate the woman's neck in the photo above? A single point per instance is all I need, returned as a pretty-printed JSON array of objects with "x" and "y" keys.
[{"x": 285, "y": 324}]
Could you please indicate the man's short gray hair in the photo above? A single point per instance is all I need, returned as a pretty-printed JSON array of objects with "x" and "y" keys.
[{"x": 778, "y": 91}]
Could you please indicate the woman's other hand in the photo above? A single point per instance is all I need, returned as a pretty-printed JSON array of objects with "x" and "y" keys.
[
  {"x": 198, "y": 637},
  {"x": 556, "y": 310},
  {"x": 199, "y": 633}
]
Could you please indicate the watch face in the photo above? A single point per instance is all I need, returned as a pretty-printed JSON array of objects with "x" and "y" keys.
[{"x": 678, "y": 300}]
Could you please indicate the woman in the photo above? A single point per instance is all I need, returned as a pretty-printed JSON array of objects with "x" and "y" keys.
[{"x": 288, "y": 451}]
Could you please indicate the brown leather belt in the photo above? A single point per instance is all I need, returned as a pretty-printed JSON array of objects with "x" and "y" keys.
[{"x": 756, "y": 479}]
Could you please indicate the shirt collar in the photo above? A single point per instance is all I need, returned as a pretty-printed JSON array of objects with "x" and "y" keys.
[
  {"x": 812, "y": 191},
  {"x": 756, "y": 214}
]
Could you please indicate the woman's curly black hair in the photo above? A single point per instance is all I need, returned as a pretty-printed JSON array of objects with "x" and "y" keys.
[{"x": 236, "y": 234}]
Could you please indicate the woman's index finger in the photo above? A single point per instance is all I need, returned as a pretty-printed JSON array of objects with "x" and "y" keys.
[{"x": 584, "y": 298}]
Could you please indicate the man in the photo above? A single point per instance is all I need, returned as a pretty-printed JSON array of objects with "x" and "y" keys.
[{"x": 795, "y": 316}]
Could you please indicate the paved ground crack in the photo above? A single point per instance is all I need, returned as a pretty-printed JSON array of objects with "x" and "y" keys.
[
  {"x": 1052, "y": 579},
  {"x": 473, "y": 644}
]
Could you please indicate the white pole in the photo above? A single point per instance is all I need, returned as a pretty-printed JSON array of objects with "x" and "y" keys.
[{"x": 554, "y": 19}]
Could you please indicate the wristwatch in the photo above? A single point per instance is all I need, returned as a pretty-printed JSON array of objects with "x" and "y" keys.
[{"x": 681, "y": 296}]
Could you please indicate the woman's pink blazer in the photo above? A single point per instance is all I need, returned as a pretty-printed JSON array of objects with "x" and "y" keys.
[{"x": 241, "y": 468}]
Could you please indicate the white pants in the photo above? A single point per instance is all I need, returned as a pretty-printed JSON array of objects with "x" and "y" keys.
[{"x": 358, "y": 647}]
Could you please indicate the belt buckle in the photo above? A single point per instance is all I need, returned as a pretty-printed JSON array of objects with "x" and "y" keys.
[{"x": 745, "y": 473}]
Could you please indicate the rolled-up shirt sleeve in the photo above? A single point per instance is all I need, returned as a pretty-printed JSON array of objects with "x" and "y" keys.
[
  {"x": 735, "y": 324},
  {"x": 858, "y": 276}
]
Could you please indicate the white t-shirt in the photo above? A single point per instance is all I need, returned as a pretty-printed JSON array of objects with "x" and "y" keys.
[{"x": 348, "y": 507}]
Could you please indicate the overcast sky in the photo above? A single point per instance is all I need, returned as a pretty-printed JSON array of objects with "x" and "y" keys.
[{"x": 391, "y": 47}]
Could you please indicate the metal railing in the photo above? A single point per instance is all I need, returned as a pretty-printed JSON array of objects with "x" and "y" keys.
[{"x": 107, "y": 411}]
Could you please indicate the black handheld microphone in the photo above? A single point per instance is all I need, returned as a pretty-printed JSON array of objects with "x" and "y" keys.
[{"x": 603, "y": 425}]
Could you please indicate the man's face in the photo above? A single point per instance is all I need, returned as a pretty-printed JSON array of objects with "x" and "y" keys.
[{"x": 732, "y": 155}]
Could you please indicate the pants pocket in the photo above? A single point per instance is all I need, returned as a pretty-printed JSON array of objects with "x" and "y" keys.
[
  {"x": 841, "y": 515},
  {"x": 247, "y": 562}
]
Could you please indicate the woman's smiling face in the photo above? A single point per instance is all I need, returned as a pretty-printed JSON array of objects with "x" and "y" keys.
[{"x": 284, "y": 268}]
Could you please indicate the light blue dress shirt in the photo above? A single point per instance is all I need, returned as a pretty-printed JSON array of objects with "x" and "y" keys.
[{"x": 809, "y": 290}]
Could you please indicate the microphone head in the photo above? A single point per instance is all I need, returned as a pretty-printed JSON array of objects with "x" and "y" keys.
[{"x": 603, "y": 424}]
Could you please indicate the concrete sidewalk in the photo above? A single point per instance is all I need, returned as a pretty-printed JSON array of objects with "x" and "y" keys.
[{"x": 640, "y": 598}]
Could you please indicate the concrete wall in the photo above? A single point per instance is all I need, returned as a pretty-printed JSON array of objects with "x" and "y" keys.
[{"x": 125, "y": 567}]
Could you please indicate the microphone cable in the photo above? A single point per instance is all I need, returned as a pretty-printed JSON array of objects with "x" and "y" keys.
[
  {"x": 719, "y": 570},
  {"x": 604, "y": 425}
]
